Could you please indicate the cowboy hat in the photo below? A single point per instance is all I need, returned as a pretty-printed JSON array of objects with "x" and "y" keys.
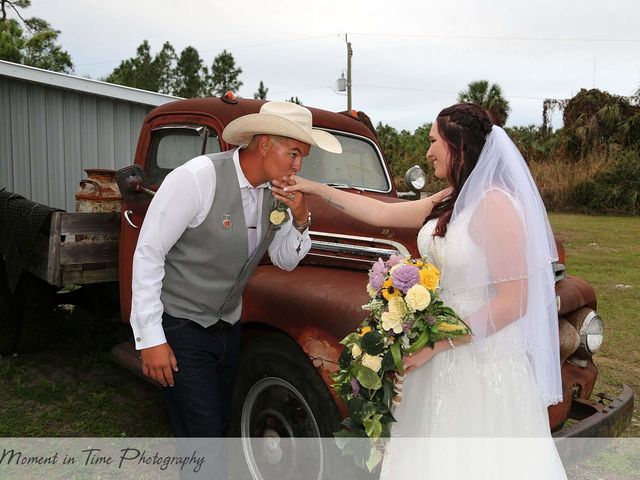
[{"x": 285, "y": 119}]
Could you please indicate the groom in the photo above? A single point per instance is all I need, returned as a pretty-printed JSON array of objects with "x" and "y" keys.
[{"x": 203, "y": 235}]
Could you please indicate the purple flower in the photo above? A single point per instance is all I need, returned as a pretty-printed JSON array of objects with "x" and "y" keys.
[
  {"x": 405, "y": 276},
  {"x": 394, "y": 260},
  {"x": 355, "y": 386},
  {"x": 379, "y": 267},
  {"x": 431, "y": 320},
  {"x": 376, "y": 280}
]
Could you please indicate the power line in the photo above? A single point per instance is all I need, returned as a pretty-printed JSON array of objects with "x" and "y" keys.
[
  {"x": 409, "y": 89},
  {"x": 237, "y": 47},
  {"x": 500, "y": 38}
]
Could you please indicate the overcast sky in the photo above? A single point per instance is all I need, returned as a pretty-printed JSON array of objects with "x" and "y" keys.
[{"x": 410, "y": 57}]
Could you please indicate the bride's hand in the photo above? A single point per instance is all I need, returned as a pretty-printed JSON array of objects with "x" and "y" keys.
[
  {"x": 416, "y": 360},
  {"x": 293, "y": 183}
]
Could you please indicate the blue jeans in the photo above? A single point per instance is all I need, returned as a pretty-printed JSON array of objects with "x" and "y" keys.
[{"x": 199, "y": 404}]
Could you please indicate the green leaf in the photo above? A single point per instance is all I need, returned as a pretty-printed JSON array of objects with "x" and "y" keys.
[
  {"x": 345, "y": 358},
  {"x": 355, "y": 408},
  {"x": 368, "y": 378},
  {"x": 373, "y": 427},
  {"x": 419, "y": 343},
  {"x": 372, "y": 343},
  {"x": 397, "y": 356},
  {"x": 374, "y": 459}
]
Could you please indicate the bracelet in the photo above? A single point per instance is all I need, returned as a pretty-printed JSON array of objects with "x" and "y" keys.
[
  {"x": 451, "y": 342},
  {"x": 303, "y": 226}
]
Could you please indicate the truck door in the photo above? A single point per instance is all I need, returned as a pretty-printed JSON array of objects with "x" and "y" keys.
[{"x": 170, "y": 146}]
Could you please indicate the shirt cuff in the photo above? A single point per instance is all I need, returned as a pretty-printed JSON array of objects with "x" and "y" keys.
[{"x": 150, "y": 336}]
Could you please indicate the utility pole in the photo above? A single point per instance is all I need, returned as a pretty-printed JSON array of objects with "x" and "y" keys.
[{"x": 349, "y": 55}]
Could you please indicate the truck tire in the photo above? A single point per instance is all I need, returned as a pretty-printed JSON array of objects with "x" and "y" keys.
[
  {"x": 284, "y": 414},
  {"x": 27, "y": 320}
]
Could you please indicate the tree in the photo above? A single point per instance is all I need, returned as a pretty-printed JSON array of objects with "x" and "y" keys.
[
  {"x": 189, "y": 74},
  {"x": 224, "y": 75},
  {"x": 261, "y": 94},
  {"x": 35, "y": 45},
  {"x": 295, "y": 100},
  {"x": 146, "y": 72},
  {"x": 489, "y": 97}
]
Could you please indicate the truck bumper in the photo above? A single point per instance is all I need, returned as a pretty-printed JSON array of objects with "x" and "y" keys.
[{"x": 597, "y": 419}]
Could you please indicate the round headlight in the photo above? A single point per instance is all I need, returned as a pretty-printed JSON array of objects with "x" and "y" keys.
[
  {"x": 591, "y": 333},
  {"x": 415, "y": 179}
]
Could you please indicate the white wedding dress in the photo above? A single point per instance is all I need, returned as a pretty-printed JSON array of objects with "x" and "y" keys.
[{"x": 473, "y": 411}]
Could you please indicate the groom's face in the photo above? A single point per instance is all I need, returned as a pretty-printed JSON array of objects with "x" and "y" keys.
[
  {"x": 438, "y": 153},
  {"x": 284, "y": 156}
]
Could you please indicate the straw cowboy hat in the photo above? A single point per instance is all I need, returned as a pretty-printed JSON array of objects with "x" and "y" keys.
[{"x": 285, "y": 119}]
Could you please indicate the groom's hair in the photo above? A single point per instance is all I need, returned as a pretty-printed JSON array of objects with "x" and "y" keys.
[{"x": 464, "y": 128}]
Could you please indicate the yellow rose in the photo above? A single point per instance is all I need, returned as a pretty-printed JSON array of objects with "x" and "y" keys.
[
  {"x": 391, "y": 321},
  {"x": 418, "y": 298},
  {"x": 277, "y": 217},
  {"x": 429, "y": 276},
  {"x": 371, "y": 361},
  {"x": 356, "y": 351},
  {"x": 388, "y": 290}
]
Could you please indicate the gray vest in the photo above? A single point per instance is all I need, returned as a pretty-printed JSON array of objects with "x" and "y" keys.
[{"x": 208, "y": 267}]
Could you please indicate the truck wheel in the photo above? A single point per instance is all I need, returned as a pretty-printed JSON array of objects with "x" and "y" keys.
[
  {"x": 9, "y": 315},
  {"x": 284, "y": 414}
]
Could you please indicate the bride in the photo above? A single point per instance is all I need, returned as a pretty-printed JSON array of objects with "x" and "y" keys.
[{"x": 475, "y": 407}]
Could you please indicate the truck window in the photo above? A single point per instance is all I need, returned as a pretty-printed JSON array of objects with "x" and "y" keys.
[
  {"x": 359, "y": 165},
  {"x": 173, "y": 146}
]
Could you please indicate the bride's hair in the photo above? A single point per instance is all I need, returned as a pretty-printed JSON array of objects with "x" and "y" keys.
[{"x": 464, "y": 128}]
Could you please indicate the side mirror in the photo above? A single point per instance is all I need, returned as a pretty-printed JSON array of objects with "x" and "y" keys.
[
  {"x": 415, "y": 179},
  {"x": 130, "y": 181}
]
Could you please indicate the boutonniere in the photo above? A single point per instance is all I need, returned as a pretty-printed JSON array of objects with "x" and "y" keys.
[{"x": 279, "y": 214}]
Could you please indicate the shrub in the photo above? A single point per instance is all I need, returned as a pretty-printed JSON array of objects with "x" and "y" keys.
[{"x": 615, "y": 189}]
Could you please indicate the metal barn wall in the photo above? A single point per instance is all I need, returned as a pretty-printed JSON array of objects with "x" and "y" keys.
[{"x": 50, "y": 134}]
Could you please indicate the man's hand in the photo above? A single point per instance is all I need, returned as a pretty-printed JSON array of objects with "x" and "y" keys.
[
  {"x": 159, "y": 363},
  {"x": 294, "y": 200}
]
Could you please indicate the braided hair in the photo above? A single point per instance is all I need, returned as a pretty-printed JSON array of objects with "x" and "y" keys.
[{"x": 463, "y": 128}]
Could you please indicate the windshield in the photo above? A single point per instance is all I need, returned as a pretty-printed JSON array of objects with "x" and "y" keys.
[{"x": 359, "y": 165}]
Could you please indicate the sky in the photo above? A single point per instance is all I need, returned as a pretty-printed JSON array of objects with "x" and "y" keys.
[{"x": 410, "y": 57}]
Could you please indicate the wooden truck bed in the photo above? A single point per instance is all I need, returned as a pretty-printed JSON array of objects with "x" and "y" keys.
[{"x": 81, "y": 248}]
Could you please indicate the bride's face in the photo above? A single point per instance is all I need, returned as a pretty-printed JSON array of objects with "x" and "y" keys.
[{"x": 438, "y": 153}]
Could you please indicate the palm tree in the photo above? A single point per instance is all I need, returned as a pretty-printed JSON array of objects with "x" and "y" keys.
[{"x": 489, "y": 97}]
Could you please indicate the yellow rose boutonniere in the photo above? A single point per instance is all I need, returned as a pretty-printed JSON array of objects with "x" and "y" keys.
[{"x": 279, "y": 214}]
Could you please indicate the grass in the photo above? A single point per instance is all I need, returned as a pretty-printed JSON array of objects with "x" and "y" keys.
[
  {"x": 604, "y": 251},
  {"x": 71, "y": 388}
]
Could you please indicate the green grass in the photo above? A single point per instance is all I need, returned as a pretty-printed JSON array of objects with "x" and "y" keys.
[
  {"x": 605, "y": 251},
  {"x": 72, "y": 388}
]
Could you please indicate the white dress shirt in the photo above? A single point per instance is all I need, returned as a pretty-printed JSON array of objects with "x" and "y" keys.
[{"x": 184, "y": 201}]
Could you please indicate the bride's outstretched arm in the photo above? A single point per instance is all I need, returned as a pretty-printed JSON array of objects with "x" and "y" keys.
[{"x": 366, "y": 209}]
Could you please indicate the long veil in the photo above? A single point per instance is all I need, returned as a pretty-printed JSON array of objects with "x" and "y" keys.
[{"x": 500, "y": 210}]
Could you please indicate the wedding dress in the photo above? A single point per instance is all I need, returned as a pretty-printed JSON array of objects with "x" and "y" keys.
[{"x": 480, "y": 410}]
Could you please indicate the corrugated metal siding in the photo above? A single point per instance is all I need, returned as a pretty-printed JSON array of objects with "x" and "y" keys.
[{"x": 48, "y": 135}]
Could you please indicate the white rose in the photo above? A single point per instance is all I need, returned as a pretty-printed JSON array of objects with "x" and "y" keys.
[
  {"x": 391, "y": 322},
  {"x": 356, "y": 351},
  {"x": 397, "y": 307},
  {"x": 373, "y": 362},
  {"x": 418, "y": 298}
]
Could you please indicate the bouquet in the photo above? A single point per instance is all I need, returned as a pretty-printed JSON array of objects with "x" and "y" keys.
[{"x": 405, "y": 316}]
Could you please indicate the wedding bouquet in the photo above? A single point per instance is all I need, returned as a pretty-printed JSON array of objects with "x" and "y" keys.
[{"x": 405, "y": 316}]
